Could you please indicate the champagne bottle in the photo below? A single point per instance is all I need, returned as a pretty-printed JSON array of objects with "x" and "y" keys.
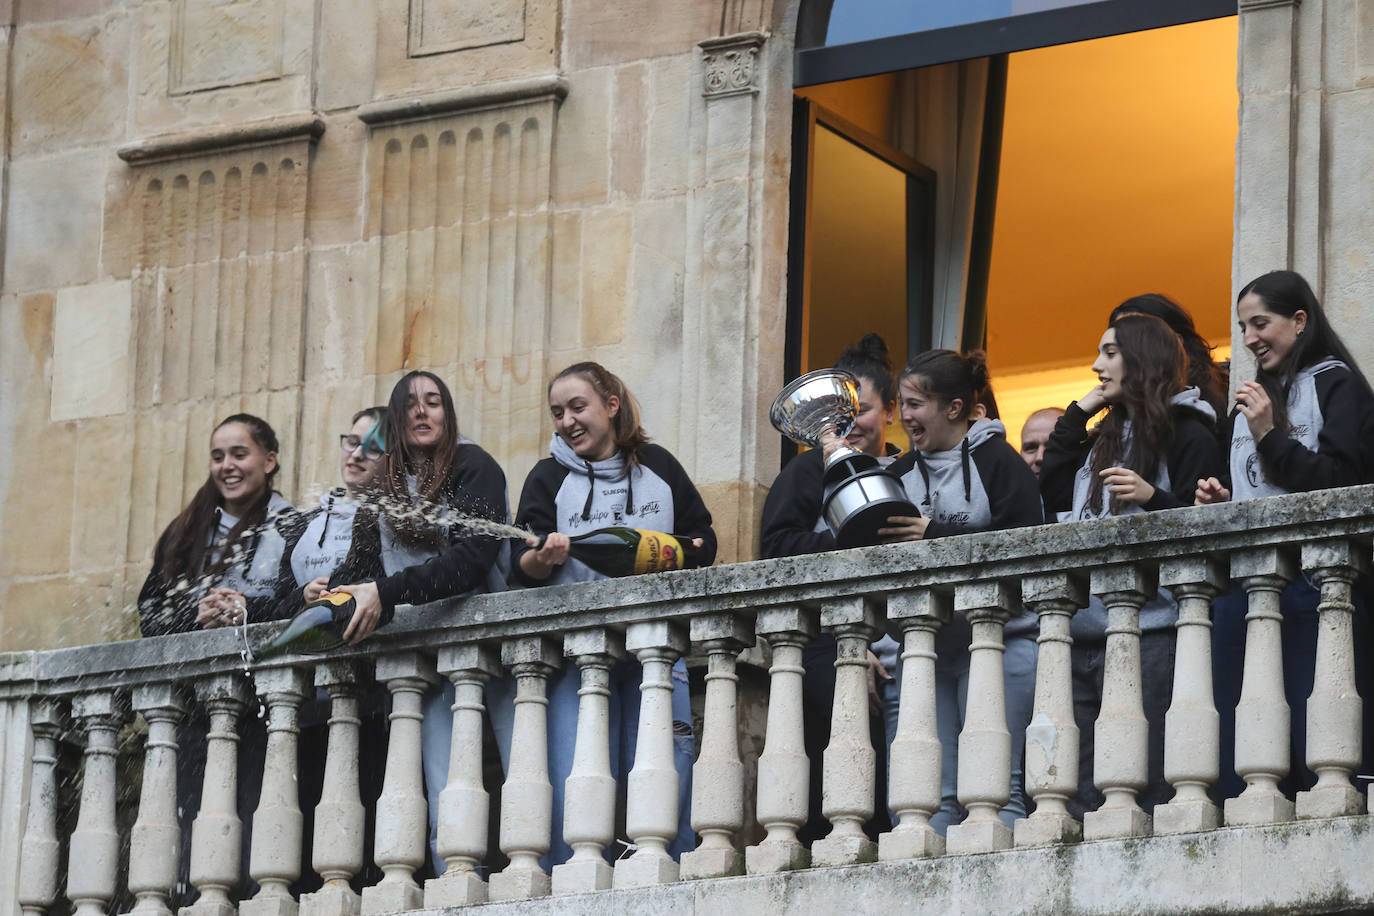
[
  {"x": 631, "y": 551},
  {"x": 317, "y": 628}
]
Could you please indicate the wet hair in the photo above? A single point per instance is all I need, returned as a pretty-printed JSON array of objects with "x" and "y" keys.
[
  {"x": 377, "y": 434},
  {"x": 1285, "y": 293},
  {"x": 431, "y": 471},
  {"x": 181, "y": 549},
  {"x": 948, "y": 375},
  {"x": 1203, "y": 373},
  {"x": 868, "y": 359},
  {"x": 1155, "y": 370},
  {"x": 629, "y": 436}
]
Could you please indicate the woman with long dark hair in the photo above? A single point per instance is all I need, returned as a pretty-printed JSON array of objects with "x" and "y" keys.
[
  {"x": 1305, "y": 423},
  {"x": 1157, "y": 437},
  {"x": 964, "y": 477},
  {"x": 602, "y": 472},
  {"x": 218, "y": 562},
  {"x": 1203, "y": 373}
]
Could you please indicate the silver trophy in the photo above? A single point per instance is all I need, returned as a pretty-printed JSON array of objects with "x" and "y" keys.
[{"x": 860, "y": 495}]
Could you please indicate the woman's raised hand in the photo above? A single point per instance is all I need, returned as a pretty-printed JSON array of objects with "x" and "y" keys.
[
  {"x": 220, "y": 607},
  {"x": 368, "y": 612},
  {"x": 1210, "y": 491},
  {"x": 830, "y": 440},
  {"x": 1093, "y": 401},
  {"x": 1127, "y": 486},
  {"x": 1253, "y": 401}
]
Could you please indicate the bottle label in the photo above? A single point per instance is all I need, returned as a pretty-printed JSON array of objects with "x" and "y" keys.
[{"x": 657, "y": 552}]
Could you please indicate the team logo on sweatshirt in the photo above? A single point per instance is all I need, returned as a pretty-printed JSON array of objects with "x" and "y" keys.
[{"x": 1253, "y": 473}]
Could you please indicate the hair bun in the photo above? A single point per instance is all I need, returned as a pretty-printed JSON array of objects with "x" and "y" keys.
[
  {"x": 874, "y": 347},
  {"x": 978, "y": 368}
]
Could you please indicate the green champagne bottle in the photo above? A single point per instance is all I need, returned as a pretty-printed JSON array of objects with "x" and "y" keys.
[
  {"x": 317, "y": 628},
  {"x": 631, "y": 551}
]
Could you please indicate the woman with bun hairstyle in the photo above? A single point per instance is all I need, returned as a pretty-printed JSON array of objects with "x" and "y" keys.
[
  {"x": 1210, "y": 379},
  {"x": 792, "y": 525},
  {"x": 602, "y": 472},
  {"x": 1305, "y": 423},
  {"x": 1158, "y": 436},
  {"x": 433, "y": 491},
  {"x": 964, "y": 477},
  {"x": 218, "y": 562}
]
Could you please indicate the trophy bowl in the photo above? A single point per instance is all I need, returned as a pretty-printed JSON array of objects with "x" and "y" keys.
[{"x": 813, "y": 401}]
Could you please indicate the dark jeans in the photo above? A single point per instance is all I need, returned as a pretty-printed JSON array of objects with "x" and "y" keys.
[{"x": 1157, "y": 688}]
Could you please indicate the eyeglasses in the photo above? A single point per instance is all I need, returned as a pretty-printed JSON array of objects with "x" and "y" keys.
[{"x": 348, "y": 444}]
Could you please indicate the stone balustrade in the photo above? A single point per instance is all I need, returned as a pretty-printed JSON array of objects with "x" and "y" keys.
[{"x": 88, "y": 696}]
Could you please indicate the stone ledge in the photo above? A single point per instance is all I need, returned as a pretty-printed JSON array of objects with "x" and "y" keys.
[
  {"x": 1294, "y": 868},
  {"x": 466, "y": 99},
  {"x": 219, "y": 138}
]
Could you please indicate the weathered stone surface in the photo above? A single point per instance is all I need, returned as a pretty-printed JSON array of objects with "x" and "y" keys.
[
  {"x": 90, "y": 362},
  {"x": 581, "y": 153},
  {"x": 605, "y": 276},
  {"x": 347, "y": 55},
  {"x": 597, "y": 34},
  {"x": 74, "y": 78},
  {"x": 54, "y": 206}
]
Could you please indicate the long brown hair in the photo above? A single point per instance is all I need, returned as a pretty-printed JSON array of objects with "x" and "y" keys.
[
  {"x": 1210, "y": 379},
  {"x": 431, "y": 472},
  {"x": 1155, "y": 371},
  {"x": 181, "y": 549},
  {"x": 629, "y": 435}
]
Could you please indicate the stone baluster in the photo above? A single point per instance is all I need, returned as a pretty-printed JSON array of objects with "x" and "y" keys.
[
  {"x": 1262, "y": 715},
  {"x": 463, "y": 804},
  {"x": 155, "y": 840},
  {"x": 589, "y": 793},
  {"x": 336, "y": 851},
  {"x": 38, "y": 868},
  {"x": 718, "y": 776},
  {"x": 784, "y": 770},
  {"x": 94, "y": 861},
  {"x": 1334, "y": 711},
  {"x": 985, "y": 743},
  {"x": 216, "y": 834},
  {"x": 849, "y": 761},
  {"x": 1052, "y": 736},
  {"x": 652, "y": 787},
  {"x": 527, "y": 796},
  {"x": 1192, "y": 740},
  {"x": 1121, "y": 744},
  {"x": 914, "y": 781},
  {"x": 274, "y": 856},
  {"x": 402, "y": 815}
]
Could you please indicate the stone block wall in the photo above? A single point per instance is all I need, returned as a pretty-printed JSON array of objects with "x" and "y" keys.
[{"x": 279, "y": 206}]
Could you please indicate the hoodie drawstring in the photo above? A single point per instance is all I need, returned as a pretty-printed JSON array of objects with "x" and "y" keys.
[
  {"x": 328, "y": 511},
  {"x": 629, "y": 491},
  {"x": 925, "y": 475},
  {"x": 968, "y": 483},
  {"x": 591, "y": 491}
]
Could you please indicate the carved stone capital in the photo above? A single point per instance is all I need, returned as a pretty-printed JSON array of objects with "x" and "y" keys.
[{"x": 730, "y": 64}]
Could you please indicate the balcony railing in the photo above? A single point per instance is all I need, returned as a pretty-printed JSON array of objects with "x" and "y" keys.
[{"x": 89, "y": 694}]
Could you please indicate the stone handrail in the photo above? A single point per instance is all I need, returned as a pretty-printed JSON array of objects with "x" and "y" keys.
[{"x": 908, "y": 590}]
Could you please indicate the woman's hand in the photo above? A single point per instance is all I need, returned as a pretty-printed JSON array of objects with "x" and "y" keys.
[
  {"x": 830, "y": 441},
  {"x": 1093, "y": 401},
  {"x": 368, "y": 612},
  {"x": 903, "y": 528},
  {"x": 876, "y": 674},
  {"x": 221, "y": 607},
  {"x": 1127, "y": 486},
  {"x": 539, "y": 563},
  {"x": 314, "y": 589},
  {"x": 1254, "y": 403},
  {"x": 1210, "y": 491}
]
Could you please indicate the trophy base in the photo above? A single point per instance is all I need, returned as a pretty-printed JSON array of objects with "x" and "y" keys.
[{"x": 859, "y": 528}]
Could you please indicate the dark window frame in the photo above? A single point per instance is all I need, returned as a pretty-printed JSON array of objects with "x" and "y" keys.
[{"x": 816, "y": 65}]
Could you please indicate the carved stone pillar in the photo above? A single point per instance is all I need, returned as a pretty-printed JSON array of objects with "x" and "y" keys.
[
  {"x": 216, "y": 834},
  {"x": 527, "y": 796},
  {"x": 1334, "y": 711},
  {"x": 1052, "y": 736},
  {"x": 784, "y": 771},
  {"x": 463, "y": 804},
  {"x": 589, "y": 792},
  {"x": 38, "y": 869},
  {"x": 914, "y": 781},
  {"x": 718, "y": 776},
  {"x": 402, "y": 816},
  {"x": 1121, "y": 746},
  {"x": 336, "y": 852},
  {"x": 155, "y": 841},
  {"x": 274, "y": 858},
  {"x": 1262, "y": 715},
  {"x": 985, "y": 743},
  {"x": 849, "y": 762},
  {"x": 1192, "y": 740},
  {"x": 651, "y": 790}
]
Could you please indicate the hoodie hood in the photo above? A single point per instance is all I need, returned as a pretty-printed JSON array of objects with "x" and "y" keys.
[
  {"x": 940, "y": 464},
  {"x": 1191, "y": 399},
  {"x": 612, "y": 468}
]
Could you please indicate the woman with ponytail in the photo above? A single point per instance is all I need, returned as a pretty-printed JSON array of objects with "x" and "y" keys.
[
  {"x": 602, "y": 472},
  {"x": 1157, "y": 438},
  {"x": 964, "y": 477},
  {"x": 1305, "y": 423},
  {"x": 218, "y": 562}
]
